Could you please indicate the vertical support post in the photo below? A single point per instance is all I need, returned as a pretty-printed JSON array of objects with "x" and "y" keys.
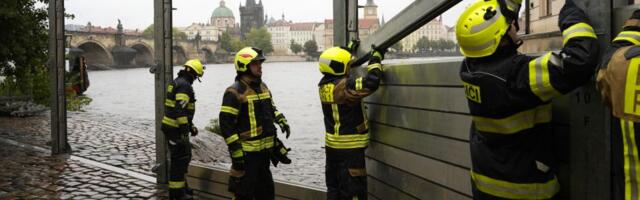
[
  {"x": 56, "y": 77},
  {"x": 352, "y": 20},
  {"x": 527, "y": 18},
  {"x": 163, "y": 74},
  {"x": 340, "y": 22},
  {"x": 590, "y": 147}
]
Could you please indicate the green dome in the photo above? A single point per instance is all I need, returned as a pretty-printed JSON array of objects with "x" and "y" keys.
[{"x": 222, "y": 11}]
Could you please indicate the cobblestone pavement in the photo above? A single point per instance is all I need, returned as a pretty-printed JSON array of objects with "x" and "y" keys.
[
  {"x": 129, "y": 143},
  {"x": 33, "y": 174}
]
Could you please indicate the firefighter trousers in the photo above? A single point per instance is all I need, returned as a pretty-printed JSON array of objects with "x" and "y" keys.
[
  {"x": 345, "y": 174},
  {"x": 257, "y": 182}
]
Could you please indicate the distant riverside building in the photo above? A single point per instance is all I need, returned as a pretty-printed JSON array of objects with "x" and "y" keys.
[
  {"x": 434, "y": 30},
  {"x": 222, "y": 18},
  {"x": 366, "y": 26},
  {"x": 280, "y": 31},
  {"x": 283, "y": 31},
  {"x": 251, "y": 16},
  {"x": 206, "y": 32}
]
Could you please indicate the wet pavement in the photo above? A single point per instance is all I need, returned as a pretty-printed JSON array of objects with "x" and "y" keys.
[
  {"x": 32, "y": 173},
  {"x": 129, "y": 143}
]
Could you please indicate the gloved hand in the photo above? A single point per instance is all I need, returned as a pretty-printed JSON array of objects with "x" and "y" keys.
[
  {"x": 194, "y": 131},
  {"x": 376, "y": 55},
  {"x": 353, "y": 45},
  {"x": 284, "y": 126}
]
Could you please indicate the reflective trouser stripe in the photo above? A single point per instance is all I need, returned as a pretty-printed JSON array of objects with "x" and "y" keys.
[
  {"x": 191, "y": 106},
  {"x": 514, "y": 123},
  {"x": 230, "y": 110},
  {"x": 540, "y": 79},
  {"x": 283, "y": 151},
  {"x": 231, "y": 138},
  {"x": 504, "y": 189},
  {"x": 629, "y": 36},
  {"x": 578, "y": 30},
  {"x": 631, "y": 97},
  {"x": 257, "y": 145},
  {"x": 631, "y": 162},
  {"x": 347, "y": 141},
  {"x": 176, "y": 184},
  {"x": 170, "y": 122}
]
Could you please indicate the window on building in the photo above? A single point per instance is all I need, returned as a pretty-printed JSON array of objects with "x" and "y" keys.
[{"x": 545, "y": 8}]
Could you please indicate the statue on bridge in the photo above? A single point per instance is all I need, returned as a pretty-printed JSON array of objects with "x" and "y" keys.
[{"x": 120, "y": 30}]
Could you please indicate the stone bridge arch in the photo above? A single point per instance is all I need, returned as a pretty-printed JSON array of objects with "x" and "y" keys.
[
  {"x": 144, "y": 54},
  {"x": 97, "y": 55},
  {"x": 179, "y": 55},
  {"x": 208, "y": 55}
]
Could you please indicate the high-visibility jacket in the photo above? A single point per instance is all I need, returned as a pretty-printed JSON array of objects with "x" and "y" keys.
[
  {"x": 179, "y": 105},
  {"x": 247, "y": 119},
  {"x": 509, "y": 98},
  {"x": 345, "y": 119},
  {"x": 618, "y": 83}
]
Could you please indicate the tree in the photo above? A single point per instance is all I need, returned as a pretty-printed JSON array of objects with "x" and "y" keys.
[
  {"x": 225, "y": 42},
  {"x": 422, "y": 45},
  {"x": 260, "y": 38},
  {"x": 397, "y": 46},
  {"x": 23, "y": 56},
  {"x": 311, "y": 48},
  {"x": 295, "y": 47},
  {"x": 177, "y": 34}
]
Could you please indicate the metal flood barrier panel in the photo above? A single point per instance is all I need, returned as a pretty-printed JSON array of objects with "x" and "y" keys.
[
  {"x": 420, "y": 124},
  {"x": 211, "y": 183}
]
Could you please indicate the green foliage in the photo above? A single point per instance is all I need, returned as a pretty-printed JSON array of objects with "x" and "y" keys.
[
  {"x": 77, "y": 102},
  {"x": 27, "y": 83},
  {"x": 260, "y": 38},
  {"x": 422, "y": 45},
  {"x": 229, "y": 43},
  {"x": 214, "y": 126},
  {"x": 311, "y": 48},
  {"x": 295, "y": 47},
  {"x": 24, "y": 36},
  {"x": 148, "y": 33}
]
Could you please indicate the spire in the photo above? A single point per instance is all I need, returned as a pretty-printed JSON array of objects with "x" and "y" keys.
[
  {"x": 260, "y": 3},
  {"x": 222, "y": 4},
  {"x": 370, "y": 3},
  {"x": 382, "y": 22}
]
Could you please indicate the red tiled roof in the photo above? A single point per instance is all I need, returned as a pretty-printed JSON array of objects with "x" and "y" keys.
[
  {"x": 304, "y": 26},
  {"x": 368, "y": 23}
]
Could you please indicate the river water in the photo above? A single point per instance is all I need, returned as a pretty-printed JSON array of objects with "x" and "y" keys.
[{"x": 130, "y": 93}]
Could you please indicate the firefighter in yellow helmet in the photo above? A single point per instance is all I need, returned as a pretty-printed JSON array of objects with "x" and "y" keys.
[
  {"x": 247, "y": 119},
  {"x": 509, "y": 96},
  {"x": 617, "y": 81},
  {"x": 177, "y": 123},
  {"x": 346, "y": 125}
]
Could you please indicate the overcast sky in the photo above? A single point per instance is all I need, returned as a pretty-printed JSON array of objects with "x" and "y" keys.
[{"x": 139, "y": 13}]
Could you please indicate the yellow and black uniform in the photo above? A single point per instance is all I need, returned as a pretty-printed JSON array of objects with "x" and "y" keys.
[
  {"x": 176, "y": 125},
  {"x": 179, "y": 108},
  {"x": 509, "y": 98},
  {"x": 619, "y": 85},
  {"x": 247, "y": 120},
  {"x": 345, "y": 120}
]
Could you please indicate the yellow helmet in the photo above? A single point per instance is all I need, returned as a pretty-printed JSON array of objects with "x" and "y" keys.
[
  {"x": 335, "y": 61},
  {"x": 196, "y": 65},
  {"x": 247, "y": 55},
  {"x": 480, "y": 28}
]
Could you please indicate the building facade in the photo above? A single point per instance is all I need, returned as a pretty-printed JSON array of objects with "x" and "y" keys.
[
  {"x": 280, "y": 31},
  {"x": 251, "y": 16},
  {"x": 222, "y": 18},
  {"x": 434, "y": 30}
]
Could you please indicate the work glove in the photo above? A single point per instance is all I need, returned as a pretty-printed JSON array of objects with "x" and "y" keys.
[
  {"x": 194, "y": 131},
  {"x": 284, "y": 126},
  {"x": 376, "y": 56},
  {"x": 353, "y": 46}
]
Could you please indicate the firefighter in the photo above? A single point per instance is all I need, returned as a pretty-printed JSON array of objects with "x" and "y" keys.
[
  {"x": 346, "y": 125},
  {"x": 177, "y": 124},
  {"x": 509, "y": 96},
  {"x": 618, "y": 83},
  {"x": 247, "y": 120}
]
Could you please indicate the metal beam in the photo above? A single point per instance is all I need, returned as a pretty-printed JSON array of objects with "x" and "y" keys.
[
  {"x": 406, "y": 22},
  {"x": 163, "y": 74},
  {"x": 340, "y": 21},
  {"x": 56, "y": 76},
  {"x": 352, "y": 20}
]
